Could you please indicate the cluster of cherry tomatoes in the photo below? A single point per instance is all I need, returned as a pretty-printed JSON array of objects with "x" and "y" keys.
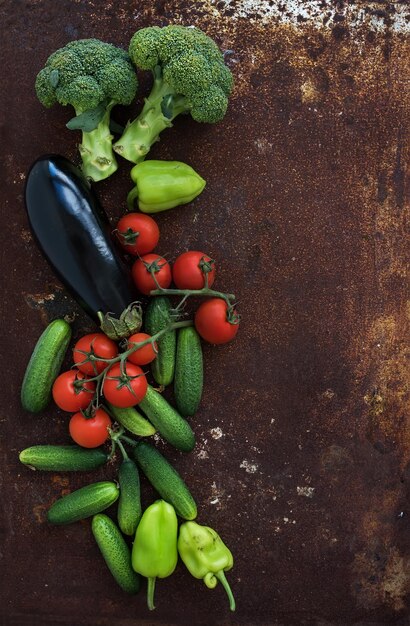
[
  {"x": 138, "y": 234},
  {"x": 98, "y": 368},
  {"x": 74, "y": 391}
]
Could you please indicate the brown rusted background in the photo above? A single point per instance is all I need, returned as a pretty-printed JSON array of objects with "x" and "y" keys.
[{"x": 302, "y": 461}]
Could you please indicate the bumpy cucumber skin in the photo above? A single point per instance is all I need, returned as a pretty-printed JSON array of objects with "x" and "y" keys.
[
  {"x": 132, "y": 421},
  {"x": 63, "y": 458},
  {"x": 116, "y": 553},
  {"x": 189, "y": 371},
  {"x": 169, "y": 423},
  {"x": 165, "y": 479},
  {"x": 44, "y": 366},
  {"x": 129, "y": 503},
  {"x": 157, "y": 317},
  {"x": 83, "y": 503}
]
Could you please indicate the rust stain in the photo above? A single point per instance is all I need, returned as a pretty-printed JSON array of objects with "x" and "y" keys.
[
  {"x": 389, "y": 404},
  {"x": 26, "y": 235},
  {"x": 55, "y": 302},
  {"x": 63, "y": 481},
  {"x": 336, "y": 459},
  {"x": 307, "y": 208},
  {"x": 396, "y": 582},
  {"x": 36, "y": 300},
  {"x": 40, "y": 513},
  {"x": 382, "y": 576}
]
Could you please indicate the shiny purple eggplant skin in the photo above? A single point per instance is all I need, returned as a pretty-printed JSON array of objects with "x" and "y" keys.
[{"x": 74, "y": 234}]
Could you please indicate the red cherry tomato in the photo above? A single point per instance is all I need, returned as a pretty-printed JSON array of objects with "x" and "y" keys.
[
  {"x": 141, "y": 273},
  {"x": 143, "y": 355},
  {"x": 212, "y": 321},
  {"x": 125, "y": 389},
  {"x": 98, "y": 345},
  {"x": 138, "y": 233},
  {"x": 92, "y": 432},
  {"x": 72, "y": 391},
  {"x": 187, "y": 272}
]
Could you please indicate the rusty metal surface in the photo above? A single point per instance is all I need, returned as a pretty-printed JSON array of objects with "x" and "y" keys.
[{"x": 303, "y": 455}]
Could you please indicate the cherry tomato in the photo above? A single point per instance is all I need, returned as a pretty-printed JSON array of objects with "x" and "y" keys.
[
  {"x": 143, "y": 355},
  {"x": 92, "y": 432},
  {"x": 97, "y": 344},
  {"x": 187, "y": 272},
  {"x": 212, "y": 321},
  {"x": 138, "y": 233},
  {"x": 72, "y": 391},
  {"x": 126, "y": 389},
  {"x": 141, "y": 273}
]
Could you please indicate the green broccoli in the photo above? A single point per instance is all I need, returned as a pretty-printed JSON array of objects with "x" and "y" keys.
[
  {"x": 189, "y": 77},
  {"x": 91, "y": 76}
]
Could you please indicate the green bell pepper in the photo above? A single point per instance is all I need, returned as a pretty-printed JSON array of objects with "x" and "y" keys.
[
  {"x": 206, "y": 556},
  {"x": 154, "y": 553},
  {"x": 162, "y": 185}
]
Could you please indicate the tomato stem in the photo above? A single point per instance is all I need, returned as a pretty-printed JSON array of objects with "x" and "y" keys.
[
  {"x": 137, "y": 345},
  {"x": 121, "y": 447},
  {"x": 113, "y": 443},
  {"x": 128, "y": 440},
  {"x": 116, "y": 435},
  {"x": 121, "y": 358},
  {"x": 205, "y": 291}
]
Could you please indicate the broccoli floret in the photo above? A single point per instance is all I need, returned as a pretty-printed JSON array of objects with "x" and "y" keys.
[
  {"x": 92, "y": 77},
  {"x": 189, "y": 77}
]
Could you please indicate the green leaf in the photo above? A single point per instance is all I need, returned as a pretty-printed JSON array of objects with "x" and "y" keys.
[{"x": 88, "y": 120}]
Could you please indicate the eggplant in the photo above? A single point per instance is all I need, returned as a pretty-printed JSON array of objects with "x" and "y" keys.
[{"x": 74, "y": 234}]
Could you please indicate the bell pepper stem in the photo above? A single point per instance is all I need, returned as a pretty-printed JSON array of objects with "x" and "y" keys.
[
  {"x": 222, "y": 579},
  {"x": 150, "y": 593}
]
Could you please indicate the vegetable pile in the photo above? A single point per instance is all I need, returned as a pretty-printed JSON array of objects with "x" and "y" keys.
[{"x": 113, "y": 389}]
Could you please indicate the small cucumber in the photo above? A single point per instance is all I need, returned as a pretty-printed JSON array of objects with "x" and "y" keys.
[
  {"x": 165, "y": 479},
  {"x": 189, "y": 371},
  {"x": 44, "y": 366},
  {"x": 157, "y": 317},
  {"x": 63, "y": 458},
  {"x": 129, "y": 503},
  {"x": 116, "y": 553},
  {"x": 132, "y": 420},
  {"x": 169, "y": 423},
  {"x": 83, "y": 503}
]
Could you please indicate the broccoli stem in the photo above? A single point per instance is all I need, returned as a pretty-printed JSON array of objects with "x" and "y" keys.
[
  {"x": 144, "y": 131},
  {"x": 96, "y": 150}
]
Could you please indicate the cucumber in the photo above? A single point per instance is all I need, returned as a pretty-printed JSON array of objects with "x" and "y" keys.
[
  {"x": 157, "y": 317},
  {"x": 116, "y": 553},
  {"x": 169, "y": 423},
  {"x": 44, "y": 366},
  {"x": 165, "y": 479},
  {"x": 132, "y": 420},
  {"x": 189, "y": 371},
  {"x": 83, "y": 503},
  {"x": 129, "y": 503},
  {"x": 63, "y": 458}
]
